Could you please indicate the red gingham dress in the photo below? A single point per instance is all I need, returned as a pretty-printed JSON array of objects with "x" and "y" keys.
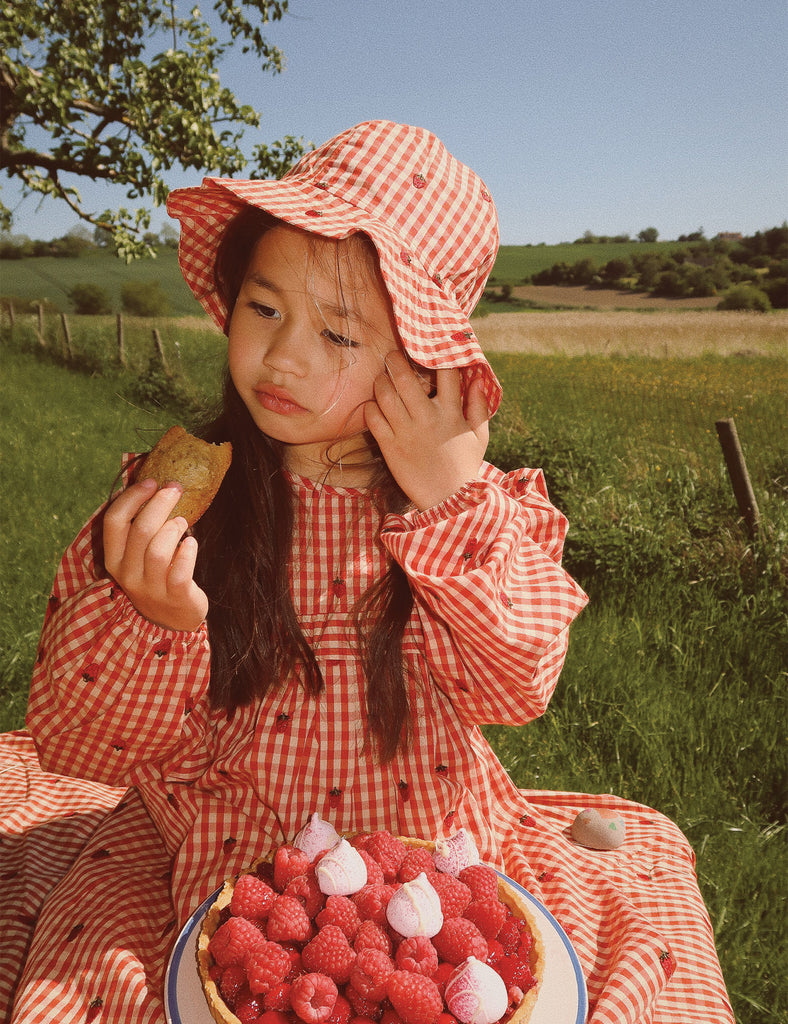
[{"x": 145, "y": 799}]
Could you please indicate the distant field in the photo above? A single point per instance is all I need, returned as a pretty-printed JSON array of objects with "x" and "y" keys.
[{"x": 49, "y": 278}]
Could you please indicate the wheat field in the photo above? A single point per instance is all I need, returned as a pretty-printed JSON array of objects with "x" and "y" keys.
[{"x": 664, "y": 334}]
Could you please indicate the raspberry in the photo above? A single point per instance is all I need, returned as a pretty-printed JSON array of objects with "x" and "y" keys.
[
  {"x": 363, "y": 1008},
  {"x": 418, "y": 955},
  {"x": 233, "y": 940},
  {"x": 390, "y": 1016},
  {"x": 342, "y": 1011},
  {"x": 454, "y": 894},
  {"x": 442, "y": 975},
  {"x": 494, "y": 952},
  {"x": 306, "y": 889},
  {"x": 313, "y": 997},
  {"x": 415, "y": 998},
  {"x": 231, "y": 982},
  {"x": 370, "y": 973},
  {"x": 459, "y": 939},
  {"x": 487, "y": 915},
  {"x": 267, "y": 965},
  {"x": 371, "y": 936},
  {"x": 289, "y": 862},
  {"x": 329, "y": 953},
  {"x": 414, "y": 862},
  {"x": 278, "y": 997},
  {"x": 372, "y": 901},
  {"x": 288, "y": 921},
  {"x": 248, "y": 1007},
  {"x": 252, "y": 898},
  {"x": 509, "y": 935},
  {"x": 274, "y": 1017},
  {"x": 481, "y": 880},
  {"x": 374, "y": 870},
  {"x": 388, "y": 851},
  {"x": 342, "y": 912},
  {"x": 516, "y": 973}
]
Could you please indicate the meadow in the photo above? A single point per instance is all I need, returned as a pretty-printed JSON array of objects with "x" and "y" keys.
[{"x": 674, "y": 690}]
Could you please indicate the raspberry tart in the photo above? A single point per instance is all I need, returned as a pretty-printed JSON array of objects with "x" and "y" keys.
[{"x": 392, "y": 930}]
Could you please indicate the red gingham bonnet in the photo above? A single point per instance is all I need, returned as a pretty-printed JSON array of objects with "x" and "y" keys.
[{"x": 431, "y": 219}]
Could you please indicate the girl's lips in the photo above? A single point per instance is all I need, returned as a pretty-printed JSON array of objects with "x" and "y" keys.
[{"x": 277, "y": 400}]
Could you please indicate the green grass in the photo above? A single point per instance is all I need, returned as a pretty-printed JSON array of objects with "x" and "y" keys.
[
  {"x": 674, "y": 690},
  {"x": 515, "y": 263},
  {"x": 48, "y": 278}
]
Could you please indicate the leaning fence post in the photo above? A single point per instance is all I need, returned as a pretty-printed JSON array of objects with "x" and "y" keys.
[
  {"x": 737, "y": 471},
  {"x": 159, "y": 350},
  {"x": 121, "y": 348},
  {"x": 67, "y": 337}
]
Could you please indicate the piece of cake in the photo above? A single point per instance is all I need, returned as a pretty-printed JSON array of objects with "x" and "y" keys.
[{"x": 385, "y": 935}]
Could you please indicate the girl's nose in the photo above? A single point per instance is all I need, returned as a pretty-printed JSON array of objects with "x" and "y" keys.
[{"x": 286, "y": 350}]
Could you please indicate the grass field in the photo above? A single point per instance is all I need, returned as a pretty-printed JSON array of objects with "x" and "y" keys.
[
  {"x": 49, "y": 278},
  {"x": 674, "y": 692}
]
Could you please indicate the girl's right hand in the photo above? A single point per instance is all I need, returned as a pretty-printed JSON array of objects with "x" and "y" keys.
[{"x": 148, "y": 556}]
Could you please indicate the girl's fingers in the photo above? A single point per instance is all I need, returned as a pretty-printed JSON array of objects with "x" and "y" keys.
[{"x": 181, "y": 572}]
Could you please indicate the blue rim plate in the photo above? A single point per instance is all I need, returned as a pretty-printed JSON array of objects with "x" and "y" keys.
[{"x": 562, "y": 998}]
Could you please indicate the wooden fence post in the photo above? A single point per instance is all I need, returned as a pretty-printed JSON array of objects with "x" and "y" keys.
[
  {"x": 737, "y": 471},
  {"x": 160, "y": 350},
  {"x": 67, "y": 337},
  {"x": 41, "y": 338},
  {"x": 121, "y": 349}
]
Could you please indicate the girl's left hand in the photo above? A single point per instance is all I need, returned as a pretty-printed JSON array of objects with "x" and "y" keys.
[{"x": 433, "y": 446}]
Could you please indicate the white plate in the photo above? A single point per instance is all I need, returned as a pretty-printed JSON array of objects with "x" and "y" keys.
[{"x": 562, "y": 999}]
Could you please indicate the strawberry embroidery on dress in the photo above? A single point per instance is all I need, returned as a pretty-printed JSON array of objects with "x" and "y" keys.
[
  {"x": 282, "y": 722},
  {"x": 546, "y": 876},
  {"x": 404, "y": 790},
  {"x": 668, "y": 962},
  {"x": 228, "y": 844},
  {"x": 163, "y": 649},
  {"x": 448, "y": 821},
  {"x": 94, "y": 1009},
  {"x": 527, "y": 821},
  {"x": 90, "y": 673},
  {"x": 441, "y": 769},
  {"x": 470, "y": 549},
  {"x": 101, "y": 854},
  {"x": 334, "y": 796},
  {"x": 75, "y": 932},
  {"x": 419, "y": 181},
  {"x": 339, "y": 587}
]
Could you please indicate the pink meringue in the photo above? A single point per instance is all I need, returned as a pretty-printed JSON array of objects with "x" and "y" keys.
[
  {"x": 341, "y": 871},
  {"x": 476, "y": 994},
  {"x": 456, "y": 853},
  {"x": 415, "y": 909},
  {"x": 317, "y": 836}
]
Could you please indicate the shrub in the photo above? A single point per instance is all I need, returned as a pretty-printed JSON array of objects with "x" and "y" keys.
[
  {"x": 745, "y": 297},
  {"x": 144, "y": 298},
  {"x": 90, "y": 299}
]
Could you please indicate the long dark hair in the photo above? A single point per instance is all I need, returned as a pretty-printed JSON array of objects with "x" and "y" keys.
[{"x": 245, "y": 543}]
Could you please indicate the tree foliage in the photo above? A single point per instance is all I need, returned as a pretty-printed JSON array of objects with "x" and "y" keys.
[{"x": 122, "y": 91}]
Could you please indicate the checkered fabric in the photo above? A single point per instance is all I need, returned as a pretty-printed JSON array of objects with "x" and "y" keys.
[
  {"x": 431, "y": 219},
  {"x": 95, "y": 885}
]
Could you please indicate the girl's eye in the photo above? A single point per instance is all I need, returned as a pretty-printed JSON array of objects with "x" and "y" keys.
[
  {"x": 266, "y": 312},
  {"x": 338, "y": 339}
]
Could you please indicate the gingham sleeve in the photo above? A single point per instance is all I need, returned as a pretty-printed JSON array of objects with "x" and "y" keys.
[
  {"x": 109, "y": 689},
  {"x": 494, "y": 602}
]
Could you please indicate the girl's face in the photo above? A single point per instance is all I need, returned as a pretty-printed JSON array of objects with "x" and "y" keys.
[{"x": 309, "y": 333}]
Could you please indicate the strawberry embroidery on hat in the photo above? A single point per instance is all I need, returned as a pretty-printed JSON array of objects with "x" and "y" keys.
[
  {"x": 406, "y": 258},
  {"x": 462, "y": 336},
  {"x": 419, "y": 181}
]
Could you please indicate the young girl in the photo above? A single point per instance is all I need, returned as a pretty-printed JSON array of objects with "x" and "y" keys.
[{"x": 364, "y": 592}]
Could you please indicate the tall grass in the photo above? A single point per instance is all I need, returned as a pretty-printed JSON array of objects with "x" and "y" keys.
[{"x": 674, "y": 690}]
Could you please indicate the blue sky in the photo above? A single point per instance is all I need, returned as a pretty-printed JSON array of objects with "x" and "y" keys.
[{"x": 602, "y": 115}]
